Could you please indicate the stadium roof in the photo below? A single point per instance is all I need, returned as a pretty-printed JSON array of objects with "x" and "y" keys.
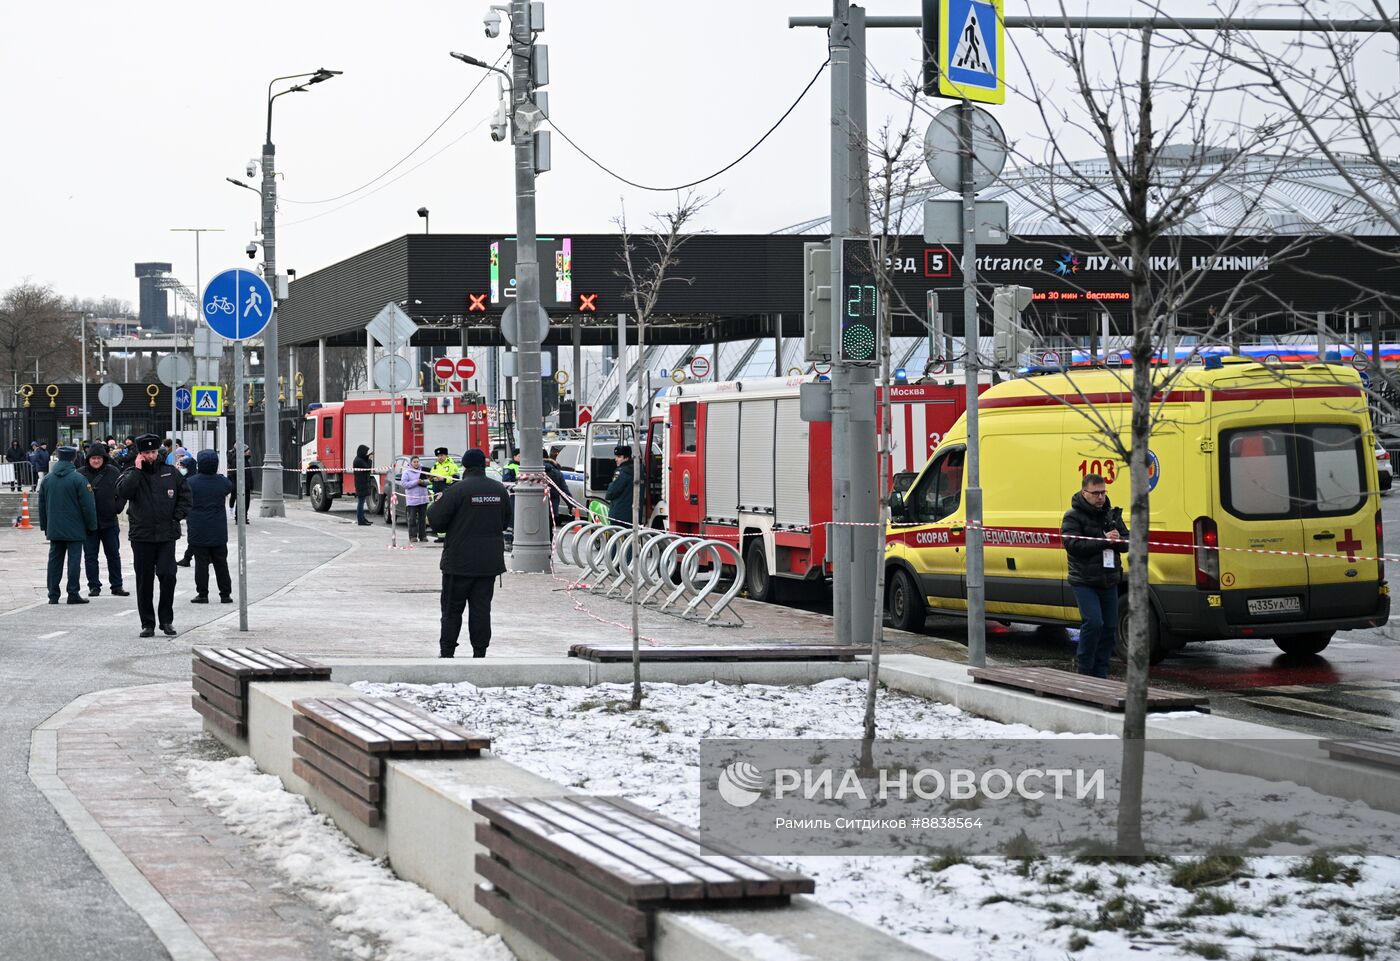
[{"x": 1265, "y": 195}]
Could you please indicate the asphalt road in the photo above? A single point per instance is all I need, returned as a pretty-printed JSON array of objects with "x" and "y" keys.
[{"x": 55, "y": 904}]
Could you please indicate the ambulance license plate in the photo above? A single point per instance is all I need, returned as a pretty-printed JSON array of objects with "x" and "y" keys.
[{"x": 1276, "y": 605}]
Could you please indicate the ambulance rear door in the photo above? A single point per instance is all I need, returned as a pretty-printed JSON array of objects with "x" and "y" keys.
[{"x": 1339, "y": 516}]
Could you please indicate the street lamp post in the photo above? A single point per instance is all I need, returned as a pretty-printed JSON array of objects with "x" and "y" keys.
[
  {"x": 272, "y": 503},
  {"x": 423, "y": 212},
  {"x": 529, "y": 70},
  {"x": 82, "y": 337}
]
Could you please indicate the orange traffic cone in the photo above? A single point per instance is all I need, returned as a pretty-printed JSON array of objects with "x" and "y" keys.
[{"x": 24, "y": 524}]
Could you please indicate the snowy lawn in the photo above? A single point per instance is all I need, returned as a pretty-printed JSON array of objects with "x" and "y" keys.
[
  {"x": 382, "y": 917},
  {"x": 953, "y": 907}
]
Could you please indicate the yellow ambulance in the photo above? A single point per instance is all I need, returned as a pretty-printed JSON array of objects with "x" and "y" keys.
[{"x": 1265, "y": 517}]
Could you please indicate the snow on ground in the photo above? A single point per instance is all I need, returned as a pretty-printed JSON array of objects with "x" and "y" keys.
[
  {"x": 381, "y": 916},
  {"x": 956, "y": 908}
]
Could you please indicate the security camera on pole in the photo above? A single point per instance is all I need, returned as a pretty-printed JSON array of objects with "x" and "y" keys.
[{"x": 530, "y": 70}]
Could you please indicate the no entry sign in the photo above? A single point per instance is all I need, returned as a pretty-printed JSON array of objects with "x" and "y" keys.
[
  {"x": 466, "y": 367},
  {"x": 444, "y": 368}
]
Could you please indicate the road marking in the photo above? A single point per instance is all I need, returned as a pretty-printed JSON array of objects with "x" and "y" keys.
[
  {"x": 129, "y": 610},
  {"x": 1294, "y": 705},
  {"x": 52, "y": 635},
  {"x": 275, "y": 550}
]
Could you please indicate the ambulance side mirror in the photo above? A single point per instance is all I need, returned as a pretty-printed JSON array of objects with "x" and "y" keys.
[{"x": 897, "y": 504}]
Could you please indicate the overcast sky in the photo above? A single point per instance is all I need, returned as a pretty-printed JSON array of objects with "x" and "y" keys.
[{"x": 121, "y": 121}]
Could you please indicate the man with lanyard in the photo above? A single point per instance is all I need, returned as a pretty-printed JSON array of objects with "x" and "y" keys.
[{"x": 444, "y": 472}]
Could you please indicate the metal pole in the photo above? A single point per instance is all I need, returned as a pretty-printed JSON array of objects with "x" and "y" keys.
[
  {"x": 867, "y": 536},
  {"x": 240, "y": 513},
  {"x": 976, "y": 590},
  {"x": 839, "y": 534},
  {"x": 1212, "y": 24},
  {"x": 321, "y": 369},
  {"x": 778, "y": 369},
  {"x": 273, "y": 504},
  {"x": 578, "y": 366},
  {"x": 394, "y": 418},
  {"x": 531, "y": 552},
  {"x": 621, "y": 367},
  {"x": 83, "y": 338},
  {"x": 1321, "y": 337}
]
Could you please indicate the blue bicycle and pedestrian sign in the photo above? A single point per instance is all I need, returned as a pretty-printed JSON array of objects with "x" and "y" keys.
[
  {"x": 182, "y": 399},
  {"x": 237, "y": 304}
]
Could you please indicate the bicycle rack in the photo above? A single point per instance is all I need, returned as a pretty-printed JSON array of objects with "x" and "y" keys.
[{"x": 610, "y": 557}]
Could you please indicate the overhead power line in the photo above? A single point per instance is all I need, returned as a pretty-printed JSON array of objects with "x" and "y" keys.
[
  {"x": 405, "y": 157},
  {"x": 694, "y": 183}
]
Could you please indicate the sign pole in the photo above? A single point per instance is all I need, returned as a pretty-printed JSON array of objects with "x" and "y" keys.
[
  {"x": 976, "y": 587},
  {"x": 240, "y": 512}
]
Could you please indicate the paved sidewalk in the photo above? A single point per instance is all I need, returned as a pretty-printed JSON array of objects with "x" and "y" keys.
[
  {"x": 375, "y": 600},
  {"x": 118, "y": 755}
]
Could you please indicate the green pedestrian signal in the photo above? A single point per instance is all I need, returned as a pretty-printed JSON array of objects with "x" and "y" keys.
[{"x": 859, "y": 304}]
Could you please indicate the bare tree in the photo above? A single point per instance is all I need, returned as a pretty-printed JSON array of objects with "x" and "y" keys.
[
  {"x": 36, "y": 329},
  {"x": 648, "y": 265}
]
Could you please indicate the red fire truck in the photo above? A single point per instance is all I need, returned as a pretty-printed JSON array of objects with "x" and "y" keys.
[
  {"x": 736, "y": 461},
  {"x": 412, "y": 424}
]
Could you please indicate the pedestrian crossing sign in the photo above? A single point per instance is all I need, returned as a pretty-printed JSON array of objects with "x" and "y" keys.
[
  {"x": 972, "y": 50},
  {"x": 208, "y": 402}
]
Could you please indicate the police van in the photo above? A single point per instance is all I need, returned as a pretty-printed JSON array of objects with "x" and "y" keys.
[{"x": 1265, "y": 516}]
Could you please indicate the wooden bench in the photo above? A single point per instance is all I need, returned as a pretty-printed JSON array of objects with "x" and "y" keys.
[
  {"x": 339, "y": 746},
  {"x": 1103, "y": 692},
  {"x": 772, "y": 652},
  {"x": 1384, "y": 753},
  {"x": 583, "y": 876},
  {"x": 221, "y": 676}
]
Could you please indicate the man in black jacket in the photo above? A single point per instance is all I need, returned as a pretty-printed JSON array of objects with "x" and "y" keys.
[
  {"x": 102, "y": 477},
  {"x": 474, "y": 513},
  {"x": 620, "y": 490},
  {"x": 1095, "y": 540},
  {"x": 157, "y": 499},
  {"x": 363, "y": 471}
]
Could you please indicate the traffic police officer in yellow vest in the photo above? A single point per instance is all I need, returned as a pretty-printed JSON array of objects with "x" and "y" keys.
[{"x": 444, "y": 472}]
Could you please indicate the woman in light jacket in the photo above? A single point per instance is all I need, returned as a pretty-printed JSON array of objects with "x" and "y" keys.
[{"x": 415, "y": 486}]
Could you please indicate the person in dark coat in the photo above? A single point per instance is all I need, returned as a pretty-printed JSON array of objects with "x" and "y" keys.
[
  {"x": 248, "y": 482},
  {"x": 474, "y": 512},
  {"x": 15, "y": 456},
  {"x": 125, "y": 457},
  {"x": 67, "y": 511},
  {"x": 102, "y": 477},
  {"x": 39, "y": 459},
  {"x": 558, "y": 486},
  {"x": 620, "y": 490},
  {"x": 1095, "y": 539},
  {"x": 208, "y": 528},
  {"x": 158, "y": 499},
  {"x": 363, "y": 466}
]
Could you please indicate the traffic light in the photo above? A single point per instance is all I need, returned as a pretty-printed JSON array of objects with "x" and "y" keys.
[
  {"x": 568, "y": 415},
  {"x": 859, "y": 304},
  {"x": 816, "y": 302},
  {"x": 1009, "y": 337}
]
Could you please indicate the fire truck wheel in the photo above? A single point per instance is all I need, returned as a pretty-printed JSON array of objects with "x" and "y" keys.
[
  {"x": 1158, "y": 645},
  {"x": 1313, "y": 642},
  {"x": 905, "y": 606},
  {"x": 758, "y": 581},
  {"x": 320, "y": 496},
  {"x": 374, "y": 503}
]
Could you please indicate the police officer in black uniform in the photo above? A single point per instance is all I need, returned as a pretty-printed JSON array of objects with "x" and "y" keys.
[
  {"x": 157, "y": 499},
  {"x": 474, "y": 513}
]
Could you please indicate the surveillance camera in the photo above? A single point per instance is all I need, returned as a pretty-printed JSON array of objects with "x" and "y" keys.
[
  {"x": 251, "y": 250},
  {"x": 492, "y": 22},
  {"x": 252, "y": 168},
  {"x": 499, "y": 122}
]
